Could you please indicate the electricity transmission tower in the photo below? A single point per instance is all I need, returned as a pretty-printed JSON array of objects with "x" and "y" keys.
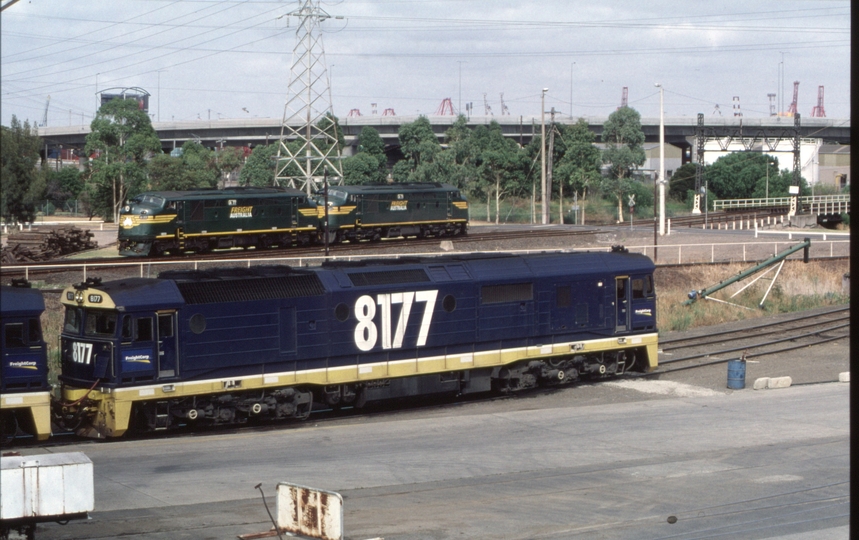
[{"x": 308, "y": 145}]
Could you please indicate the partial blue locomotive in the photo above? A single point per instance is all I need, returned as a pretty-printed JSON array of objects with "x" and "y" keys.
[
  {"x": 25, "y": 399},
  {"x": 227, "y": 345}
]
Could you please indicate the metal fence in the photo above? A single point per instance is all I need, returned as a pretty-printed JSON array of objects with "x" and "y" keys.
[{"x": 663, "y": 254}]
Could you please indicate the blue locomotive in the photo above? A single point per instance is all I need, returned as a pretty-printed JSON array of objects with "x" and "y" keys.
[
  {"x": 226, "y": 345},
  {"x": 25, "y": 399}
]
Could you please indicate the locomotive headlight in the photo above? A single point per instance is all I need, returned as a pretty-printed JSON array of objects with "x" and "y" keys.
[
  {"x": 144, "y": 212},
  {"x": 126, "y": 208},
  {"x": 79, "y": 297}
]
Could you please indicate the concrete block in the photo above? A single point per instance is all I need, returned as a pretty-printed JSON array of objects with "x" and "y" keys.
[
  {"x": 779, "y": 382},
  {"x": 844, "y": 377},
  {"x": 762, "y": 383}
]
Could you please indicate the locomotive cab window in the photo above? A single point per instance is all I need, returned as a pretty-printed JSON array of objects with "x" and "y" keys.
[
  {"x": 144, "y": 329},
  {"x": 100, "y": 323},
  {"x": 642, "y": 287},
  {"x": 34, "y": 331},
  {"x": 127, "y": 332},
  {"x": 14, "y": 335},
  {"x": 72, "y": 322}
]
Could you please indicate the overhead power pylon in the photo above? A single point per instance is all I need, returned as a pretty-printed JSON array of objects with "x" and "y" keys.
[{"x": 308, "y": 146}]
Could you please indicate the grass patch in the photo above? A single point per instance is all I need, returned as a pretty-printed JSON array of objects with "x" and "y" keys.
[{"x": 799, "y": 287}]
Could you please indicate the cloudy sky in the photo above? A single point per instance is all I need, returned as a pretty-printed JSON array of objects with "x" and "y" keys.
[{"x": 221, "y": 59}]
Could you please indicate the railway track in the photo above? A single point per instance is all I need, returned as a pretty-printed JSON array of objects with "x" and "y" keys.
[
  {"x": 345, "y": 249},
  {"x": 753, "y": 341}
]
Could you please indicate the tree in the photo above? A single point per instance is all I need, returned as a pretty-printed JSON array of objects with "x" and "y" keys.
[
  {"x": 419, "y": 146},
  {"x": 682, "y": 181},
  {"x": 370, "y": 164},
  {"x": 122, "y": 138},
  {"x": 623, "y": 137},
  {"x": 259, "y": 169},
  {"x": 743, "y": 175},
  {"x": 461, "y": 155},
  {"x": 579, "y": 167},
  {"x": 166, "y": 173},
  {"x": 64, "y": 186},
  {"x": 228, "y": 162},
  {"x": 201, "y": 169},
  {"x": 362, "y": 168},
  {"x": 500, "y": 165},
  {"x": 21, "y": 183}
]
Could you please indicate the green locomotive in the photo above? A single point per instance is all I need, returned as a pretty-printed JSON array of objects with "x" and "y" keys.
[
  {"x": 171, "y": 222},
  {"x": 390, "y": 210}
]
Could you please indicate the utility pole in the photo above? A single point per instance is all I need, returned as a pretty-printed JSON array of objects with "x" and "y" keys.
[
  {"x": 545, "y": 206},
  {"x": 551, "y": 160},
  {"x": 308, "y": 117},
  {"x": 662, "y": 179}
]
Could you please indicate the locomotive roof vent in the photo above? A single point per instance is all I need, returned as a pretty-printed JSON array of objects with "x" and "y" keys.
[{"x": 388, "y": 277}]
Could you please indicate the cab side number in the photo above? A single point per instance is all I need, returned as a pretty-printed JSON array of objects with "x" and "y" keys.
[
  {"x": 81, "y": 352},
  {"x": 366, "y": 332}
]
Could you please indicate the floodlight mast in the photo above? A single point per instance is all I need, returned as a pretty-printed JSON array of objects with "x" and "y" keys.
[{"x": 309, "y": 124}]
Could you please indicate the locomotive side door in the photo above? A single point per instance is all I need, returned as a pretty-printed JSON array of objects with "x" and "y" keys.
[
  {"x": 622, "y": 303},
  {"x": 167, "y": 345}
]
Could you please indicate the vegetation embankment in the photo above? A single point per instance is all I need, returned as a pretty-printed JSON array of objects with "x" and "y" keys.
[{"x": 799, "y": 287}]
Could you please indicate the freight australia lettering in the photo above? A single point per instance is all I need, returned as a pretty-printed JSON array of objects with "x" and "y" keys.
[
  {"x": 241, "y": 212},
  {"x": 398, "y": 206}
]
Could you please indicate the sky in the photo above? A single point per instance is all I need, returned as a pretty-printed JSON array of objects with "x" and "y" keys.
[{"x": 228, "y": 59}]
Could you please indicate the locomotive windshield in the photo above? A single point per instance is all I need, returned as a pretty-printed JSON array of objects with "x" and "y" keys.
[
  {"x": 72, "y": 323},
  {"x": 335, "y": 197},
  {"x": 100, "y": 323},
  {"x": 92, "y": 322},
  {"x": 149, "y": 200}
]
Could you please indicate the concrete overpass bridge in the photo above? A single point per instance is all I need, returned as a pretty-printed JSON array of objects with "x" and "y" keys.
[{"x": 251, "y": 132}]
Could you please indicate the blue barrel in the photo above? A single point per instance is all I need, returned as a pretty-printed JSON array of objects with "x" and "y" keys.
[{"x": 737, "y": 374}]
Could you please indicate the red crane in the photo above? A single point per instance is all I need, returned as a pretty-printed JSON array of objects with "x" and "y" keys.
[
  {"x": 353, "y": 113},
  {"x": 791, "y": 111},
  {"x": 445, "y": 108},
  {"x": 818, "y": 111}
]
